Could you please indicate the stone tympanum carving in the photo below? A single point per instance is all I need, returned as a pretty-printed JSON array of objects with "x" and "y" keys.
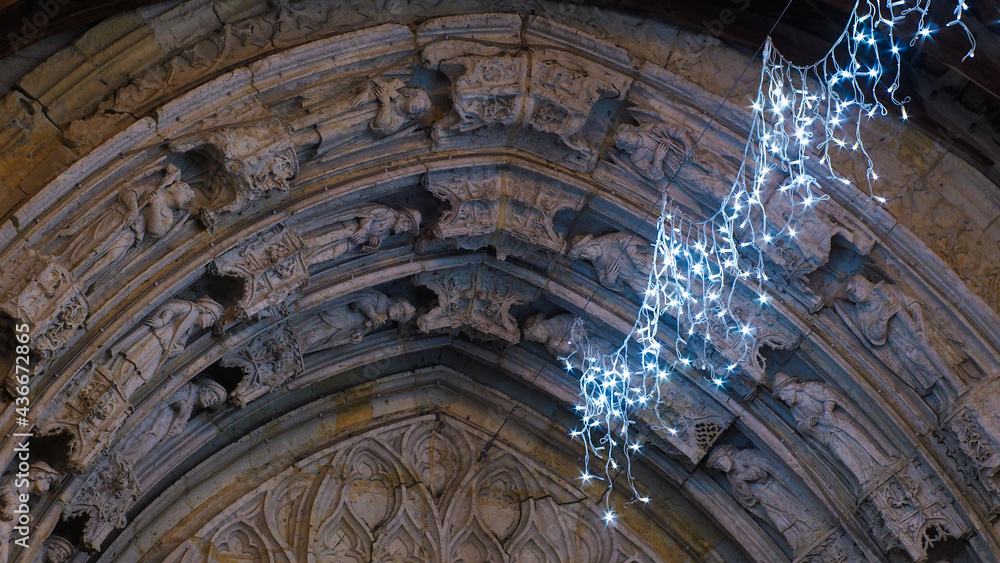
[
  {"x": 170, "y": 418},
  {"x": 272, "y": 270},
  {"x": 364, "y": 232},
  {"x": 620, "y": 259},
  {"x": 828, "y": 417},
  {"x": 763, "y": 490},
  {"x": 137, "y": 213},
  {"x": 475, "y": 299},
  {"x": 397, "y": 104},
  {"x": 268, "y": 361},
  {"x": 15, "y": 491},
  {"x": 897, "y": 331},
  {"x": 359, "y": 314}
]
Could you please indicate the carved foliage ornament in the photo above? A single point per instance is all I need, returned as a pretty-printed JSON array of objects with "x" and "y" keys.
[
  {"x": 477, "y": 300},
  {"x": 512, "y": 213},
  {"x": 268, "y": 361}
]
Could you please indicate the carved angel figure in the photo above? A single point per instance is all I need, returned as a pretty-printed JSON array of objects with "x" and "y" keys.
[
  {"x": 652, "y": 148},
  {"x": 161, "y": 335},
  {"x": 126, "y": 222},
  {"x": 759, "y": 487},
  {"x": 397, "y": 104},
  {"x": 370, "y": 226},
  {"x": 365, "y": 311},
  {"x": 825, "y": 415},
  {"x": 895, "y": 328},
  {"x": 40, "y": 478},
  {"x": 619, "y": 258},
  {"x": 171, "y": 418}
]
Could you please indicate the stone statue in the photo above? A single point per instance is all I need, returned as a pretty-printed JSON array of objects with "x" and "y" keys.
[
  {"x": 370, "y": 226},
  {"x": 619, "y": 258},
  {"x": 397, "y": 104},
  {"x": 57, "y": 550},
  {"x": 170, "y": 419},
  {"x": 759, "y": 487},
  {"x": 895, "y": 329},
  {"x": 560, "y": 337},
  {"x": 161, "y": 335},
  {"x": 125, "y": 223},
  {"x": 651, "y": 147},
  {"x": 365, "y": 311},
  {"x": 39, "y": 479},
  {"x": 828, "y": 417}
]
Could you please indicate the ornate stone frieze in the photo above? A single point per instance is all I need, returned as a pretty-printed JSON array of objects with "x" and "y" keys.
[
  {"x": 246, "y": 162},
  {"x": 911, "y": 511},
  {"x": 514, "y": 213},
  {"x": 360, "y": 230},
  {"x": 475, "y": 299},
  {"x": 828, "y": 417},
  {"x": 348, "y": 319},
  {"x": 39, "y": 291},
  {"x": 273, "y": 272},
  {"x": 766, "y": 491},
  {"x": 111, "y": 485},
  {"x": 268, "y": 361},
  {"x": 906, "y": 337},
  {"x": 367, "y": 507}
]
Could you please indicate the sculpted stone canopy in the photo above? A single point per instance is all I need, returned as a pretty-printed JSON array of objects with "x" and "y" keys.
[{"x": 311, "y": 281}]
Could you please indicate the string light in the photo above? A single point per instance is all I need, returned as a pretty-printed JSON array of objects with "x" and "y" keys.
[{"x": 707, "y": 280}]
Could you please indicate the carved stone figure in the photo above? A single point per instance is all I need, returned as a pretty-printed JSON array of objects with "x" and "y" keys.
[
  {"x": 398, "y": 104},
  {"x": 365, "y": 311},
  {"x": 620, "y": 259},
  {"x": 761, "y": 489},
  {"x": 162, "y": 334},
  {"x": 488, "y": 91},
  {"x": 57, "y": 550},
  {"x": 825, "y": 415},
  {"x": 371, "y": 225},
  {"x": 561, "y": 335},
  {"x": 895, "y": 328},
  {"x": 653, "y": 149},
  {"x": 39, "y": 479},
  {"x": 170, "y": 418},
  {"x": 133, "y": 215}
]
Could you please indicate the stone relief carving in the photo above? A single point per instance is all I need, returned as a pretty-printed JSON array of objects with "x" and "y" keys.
[
  {"x": 971, "y": 436},
  {"x": 273, "y": 272},
  {"x": 828, "y": 417},
  {"x": 14, "y": 492},
  {"x": 476, "y": 300},
  {"x": 95, "y": 403},
  {"x": 902, "y": 336},
  {"x": 688, "y": 419},
  {"x": 512, "y": 213},
  {"x": 38, "y": 290},
  {"x": 268, "y": 361},
  {"x": 57, "y": 550},
  {"x": 111, "y": 486},
  {"x": 837, "y": 547},
  {"x": 142, "y": 211},
  {"x": 368, "y": 507},
  {"x": 398, "y": 105},
  {"x": 354, "y": 316},
  {"x": 620, "y": 259},
  {"x": 365, "y": 231},
  {"x": 246, "y": 162},
  {"x": 910, "y": 511},
  {"x": 486, "y": 91},
  {"x": 564, "y": 335},
  {"x": 764, "y": 491},
  {"x": 652, "y": 148}
]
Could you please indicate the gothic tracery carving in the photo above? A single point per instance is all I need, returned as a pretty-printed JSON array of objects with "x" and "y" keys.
[{"x": 268, "y": 361}]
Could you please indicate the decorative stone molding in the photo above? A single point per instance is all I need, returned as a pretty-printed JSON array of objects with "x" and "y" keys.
[
  {"x": 476, "y": 300},
  {"x": 513, "y": 213},
  {"x": 268, "y": 360},
  {"x": 109, "y": 491},
  {"x": 272, "y": 270},
  {"x": 911, "y": 511},
  {"x": 39, "y": 291}
]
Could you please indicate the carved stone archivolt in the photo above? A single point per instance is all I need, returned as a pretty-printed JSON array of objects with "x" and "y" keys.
[
  {"x": 513, "y": 213},
  {"x": 15, "y": 493},
  {"x": 361, "y": 231},
  {"x": 476, "y": 300},
  {"x": 268, "y": 361},
  {"x": 348, "y": 319},
  {"x": 620, "y": 259}
]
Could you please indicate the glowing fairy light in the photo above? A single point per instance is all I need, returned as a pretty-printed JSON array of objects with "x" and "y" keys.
[{"x": 708, "y": 276}]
